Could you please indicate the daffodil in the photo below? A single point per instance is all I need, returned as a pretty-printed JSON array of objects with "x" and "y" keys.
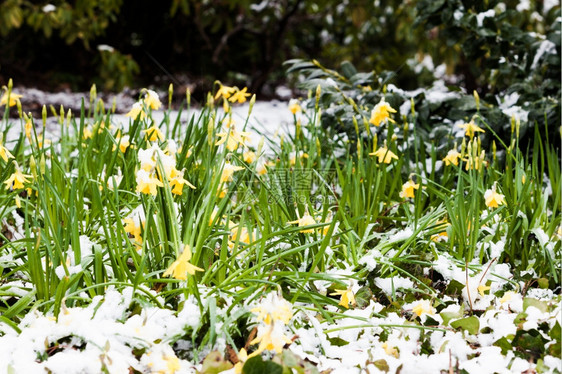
[
  {"x": 470, "y": 129},
  {"x": 14, "y": 98},
  {"x": 233, "y": 138},
  {"x": 124, "y": 143},
  {"x": 136, "y": 111},
  {"x": 177, "y": 182},
  {"x": 147, "y": 182},
  {"x": 423, "y": 307},
  {"x": 483, "y": 288},
  {"x": 240, "y": 234},
  {"x": 270, "y": 338},
  {"x": 294, "y": 155},
  {"x": 228, "y": 170},
  {"x": 17, "y": 179},
  {"x": 390, "y": 350},
  {"x": 452, "y": 157},
  {"x": 384, "y": 155},
  {"x": 224, "y": 91},
  {"x": 153, "y": 133},
  {"x": 4, "y": 153},
  {"x": 381, "y": 113},
  {"x": 493, "y": 199},
  {"x": 249, "y": 157},
  {"x": 305, "y": 220},
  {"x": 408, "y": 189},
  {"x": 294, "y": 106},
  {"x": 151, "y": 100},
  {"x": 346, "y": 297},
  {"x": 239, "y": 96},
  {"x": 181, "y": 267},
  {"x": 274, "y": 308}
]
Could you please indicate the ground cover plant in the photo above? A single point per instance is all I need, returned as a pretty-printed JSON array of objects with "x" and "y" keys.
[{"x": 172, "y": 246}]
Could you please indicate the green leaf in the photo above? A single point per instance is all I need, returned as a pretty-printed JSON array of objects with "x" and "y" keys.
[
  {"x": 215, "y": 363},
  {"x": 540, "y": 305},
  {"x": 363, "y": 297},
  {"x": 504, "y": 344},
  {"x": 338, "y": 342},
  {"x": 469, "y": 324},
  {"x": 256, "y": 365},
  {"x": 382, "y": 365}
]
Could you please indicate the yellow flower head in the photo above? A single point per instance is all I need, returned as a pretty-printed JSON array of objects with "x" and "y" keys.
[
  {"x": 384, "y": 155},
  {"x": 233, "y": 138},
  {"x": 136, "y": 111},
  {"x": 225, "y": 91},
  {"x": 494, "y": 199},
  {"x": 240, "y": 234},
  {"x": 483, "y": 288},
  {"x": 452, "y": 157},
  {"x": 14, "y": 98},
  {"x": 228, "y": 170},
  {"x": 181, "y": 267},
  {"x": 470, "y": 129},
  {"x": 408, "y": 189},
  {"x": 305, "y": 220},
  {"x": 147, "y": 182},
  {"x": 153, "y": 133},
  {"x": 346, "y": 297},
  {"x": 294, "y": 106},
  {"x": 422, "y": 307},
  {"x": 239, "y": 96},
  {"x": 17, "y": 179},
  {"x": 4, "y": 153},
  {"x": 381, "y": 113},
  {"x": 249, "y": 157},
  {"x": 177, "y": 182},
  {"x": 151, "y": 100}
]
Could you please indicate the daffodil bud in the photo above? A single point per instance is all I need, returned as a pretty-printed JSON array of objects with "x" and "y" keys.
[
  {"x": 356, "y": 125},
  {"x": 463, "y": 147},
  {"x": 33, "y": 166},
  {"x": 298, "y": 128},
  {"x": 18, "y": 104},
  {"x": 210, "y": 101},
  {"x": 170, "y": 94},
  {"x": 188, "y": 96},
  {"x": 517, "y": 127},
  {"x": 68, "y": 117},
  {"x": 494, "y": 150},
  {"x": 44, "y": 115},
  {"x": 101, "y": 106},
  {"x": 375, "y": 141},
  {"x": 318, "y": 92},
  {"x": 512, "y": 124},
  {"x": 476, "y": 99},
  {"x": 61, "y": 115},
  {"x": 252, "y": 102},
  {"x": 412, "y": 107},
  {"x": 260, "y": 145},
  {"x": 113, "y": 104},
  {"x": 10, "y": 85},
  {"x": 384, "y": 89},
  {"x": 210, "y": 130},
  {"x": 93, "y": 94},
  {"x": 318, "y": 147}
]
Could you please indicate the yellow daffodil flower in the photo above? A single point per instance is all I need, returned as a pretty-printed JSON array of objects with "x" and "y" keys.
[
  {"x": 224, "y": 91},
  {"x": 381, "y": 113},
  {"x": 233, "y": 138},
  {"x": 151, "y": 100},
  {"x": 17, "y": 179},
  {"x": 28, "y": 128},
  {"x": 346, "y": 297},
  {"x": 228, "y": 170},
  {"x": 14, "y": 98},
  {"x": 4, "y": 153},
  {"x": 239, "y": 96},
  {"x": 271, "y": 340},
  {"x": 452, "y": 157},
  {"x": 293, "y": 157},
  {"x": 249, "y": 157},
  {"x": 483, "y": 288},
  {"x": 240, "y": 234},
  {"x": 147, "y": 182},
  {"x": 305, "y": 220},
  {"x": 384, "y": 155},
  {"x": 181, "y": 267},
  {"x": 470, "y": 129},
  {"x": 389, "y": 350},
  {"x": 422, "y": 307},
  {"x": 177, "y": 182},
  {"x": 242, "y": 358},
  {"x": 408, "y": 189},
  {"x": 294, "y": 106},
  {"x": 124, "y": 143},
  {"x": 136, "y": 111},
  {"x": 153, "y": 133},
  {"x": 494, "y": 199}
]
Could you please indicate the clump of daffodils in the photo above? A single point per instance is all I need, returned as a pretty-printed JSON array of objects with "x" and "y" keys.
[
  {"x": 273, "y": 315},
  {"x": 155, "y": 165}
]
